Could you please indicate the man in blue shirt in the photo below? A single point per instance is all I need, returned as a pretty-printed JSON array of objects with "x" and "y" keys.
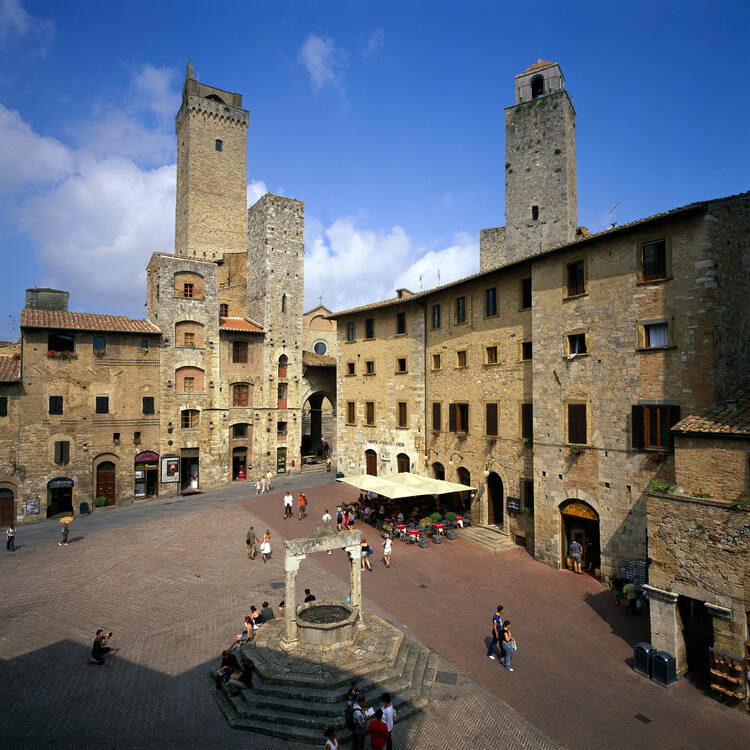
[
  {"x": 575, "y": 552},
  {"x": 497, "y": 627}
]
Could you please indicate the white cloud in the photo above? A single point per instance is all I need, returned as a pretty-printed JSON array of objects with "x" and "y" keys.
[
  {"x": 437, "y": 267},
  {"x": 323, "y": 61},
  {"x": 255, "y": 191},
  {"x": 20, "y": 29},
  {"x": 153, "y": 88},
  {"x": 374, "y": 43}
]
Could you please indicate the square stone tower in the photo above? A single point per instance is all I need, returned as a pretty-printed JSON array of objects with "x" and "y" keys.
[
  {"x": 541, "y": 202},
  {"x": 211, "y": 129}
]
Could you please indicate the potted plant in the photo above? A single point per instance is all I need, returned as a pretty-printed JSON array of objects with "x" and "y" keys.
[
  {"x": 99, "y": 353},
  {"x": 491, "y": 439},
  {"x": 100, "y": 501},
  {"x": 700, "y": 492},
  {"x": 576, "y": 450},
  {"x": 144, "y": 350},
  {"x": 528, "y": 441},
  {"x": 461, "y": 436}
]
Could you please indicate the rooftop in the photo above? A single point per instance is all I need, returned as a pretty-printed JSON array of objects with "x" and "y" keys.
[
  {"x": 10, "y": 369},
  {"x": 32, "y": 318},
  {"x": 727, "y": 416},
  {"x": 538, "y": 64},
  {"x": 239, "y": 324},
  {"x": 311, "y": 359}
]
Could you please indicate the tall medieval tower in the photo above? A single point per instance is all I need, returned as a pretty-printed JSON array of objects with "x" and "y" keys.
[
  {"x": 541, "y": 201},
  {"x": 211, "y": 129}
]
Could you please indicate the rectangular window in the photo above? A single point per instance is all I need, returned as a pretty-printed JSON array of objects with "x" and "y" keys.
[
  {"x": 370, "y": 412},
  {"x": 369, "y": 367},
  {"x": 148, "y": 404},
  {"x": 527, "y": 493},
  {"x": 62, "y": 451},
  {"x": 534, "y": 213},
  {"x": 525, "y": 293},
  {"x": 187, "y": 290},
  {"x": 3, "y": 406},
  {"x": 351, "y": 413},
  {"x": 282, "y": 395},
  {"x": 490, "y": 302},
  {"x": 436, "y": 363},
  {"x": 240, "y": 394},
  {"x": 577, "y": 432},
  {"x": 527, "y": 421},
  {"x": 370, "y": 328},
  {"x": 656, "y": 335},
  {"x": 436, "y": 316},
  {"x": 401, "y": 364},
  {"x": 526, "y": 350},
  {"x": 137, "y": 438},
  {"x": 576, "y": 279},
  {"x": 400, "y": 322},
  {"x": 576, "y": 344},
  {"x": 350, "y": 368},
  {"x": 402, "y": 413},
  {"x": 239, "y": 352},
  {"x": 461, "y": 358},
  {"x": 219, "y": 145},
  {"x": 491, "y": 420},
  {"x": 55, "y": 404},
  {"x": 223, "y": 310},
  {"x": 116, "y": 438},
  {"x": 188, "y": 384},
  {"x": 458, "y": 417},
  {"x": 461, "y": 310},
  {"x": 351, "y": 331},
  {"x": 651, "y": 427},
  {"x": 189, "y": 339},
  {"x": 189, "y": 419},
  {"x": 490, "y": 354},
  {"x": 654, "y": 261},
  {"x": 437, "y": 416},
  {"x": 281, "y": 429},
  {"x": 239, "y": 430}
]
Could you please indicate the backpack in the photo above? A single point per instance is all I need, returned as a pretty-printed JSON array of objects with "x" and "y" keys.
[{"x": 359, "y": 721}]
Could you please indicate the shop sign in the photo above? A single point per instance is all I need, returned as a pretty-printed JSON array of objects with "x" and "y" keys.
[
  {"x": 60, "y": 483},
  {"x": 170, "y": 469},
  {"x": 147, "y": 457},
  {"x": 32, "y": 506},
  {"x": 514, "y": 504}
]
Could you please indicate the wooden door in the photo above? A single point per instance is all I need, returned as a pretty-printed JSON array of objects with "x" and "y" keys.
[
  {"x": 372, "y": 463},
  {"x": 105, "y": 481},
  {"x": 7, "y": 508}
]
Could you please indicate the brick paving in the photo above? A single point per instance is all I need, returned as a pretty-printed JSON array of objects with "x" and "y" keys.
[{"x": 174, "y": 587}]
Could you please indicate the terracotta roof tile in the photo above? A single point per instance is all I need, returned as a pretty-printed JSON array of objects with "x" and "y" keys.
[
  {"x": 311, "y": 359},
  {"x": 10, "y": 369},
  {"x": 727, "y": 416},
  {"x": 239, "y": 324},
  {"x": 538, "y": 64},
  {"x": 32, "y": 318}
]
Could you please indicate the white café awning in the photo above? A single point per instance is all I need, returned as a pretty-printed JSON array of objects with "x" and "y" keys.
[{"x": 402, "y": 485}]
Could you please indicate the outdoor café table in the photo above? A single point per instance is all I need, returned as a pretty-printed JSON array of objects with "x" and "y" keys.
[
  {"x": 440, "y": 526},
  {"x": 401, "y": 528},
  {"x": 414, "y": 534},
  {"x": 461, "y": 520}
]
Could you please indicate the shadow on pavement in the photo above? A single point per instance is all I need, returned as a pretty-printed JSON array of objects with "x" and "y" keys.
[{"x": 632, "y": 630}]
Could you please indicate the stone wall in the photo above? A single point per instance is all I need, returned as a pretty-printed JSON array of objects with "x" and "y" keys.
[{"x": 716, "y": 465}]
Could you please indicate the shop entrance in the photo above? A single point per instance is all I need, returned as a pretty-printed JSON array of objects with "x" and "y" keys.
[
  {"x": 580, "y": 522},
  {"x": 59, "y": 496},
  {"x": 495, "y": 499},
  {"x": 371, "y": 459},
  {"x": 281, "y": 460},
  {"x": 239, "y": 463},
  {"x": 105, "y": 481},
  {"x": 189, "y": 469},
  {"x": 7, "y": 508},
  {"x": 698, "y": 632},
  {"x": 146, "y": 474}
]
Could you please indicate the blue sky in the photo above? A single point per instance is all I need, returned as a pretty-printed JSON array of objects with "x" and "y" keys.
[{"x": 385, "y": 118}]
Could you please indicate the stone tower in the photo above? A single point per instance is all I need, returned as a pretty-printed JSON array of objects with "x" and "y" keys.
[
  {"x": 541, "y": 203},
  {"x": 211, "y": 129}
]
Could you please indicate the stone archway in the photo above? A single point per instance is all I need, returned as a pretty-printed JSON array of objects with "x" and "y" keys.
[
  {"x": 495, "y": 499},
  {"x": 318, "y": 424},
  {"x": 579, "y": 522}
]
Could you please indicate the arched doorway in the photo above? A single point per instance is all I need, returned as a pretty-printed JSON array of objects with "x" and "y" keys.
[
  {"x": 537, "y": 87},
  {"x": 438, "y": 470},
  {"x": 105, "y": 481},
  {"x": 464, "y": 477},
  {"x": 7, "y": 507},
  {"x": 146, "y": 474},
  {"x": 371, "y": 462},
  {"x": 402, "y": 462},
  {"x": 59, "y": 496},
  {"x": 318, "y": 425},
  {"x": 580, "y": 522},
  {"x": 239, "y": 462},
  {"x": 495, "y": 500}
]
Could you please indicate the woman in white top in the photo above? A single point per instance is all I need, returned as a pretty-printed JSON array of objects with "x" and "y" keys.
[
  {"x": 332, "y": 741},
  {"x": 387, "y": 551},
  {"x": 265, "y": 545}
]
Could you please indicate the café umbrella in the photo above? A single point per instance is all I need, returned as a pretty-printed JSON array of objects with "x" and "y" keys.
[{"x": 67, "y": 519}]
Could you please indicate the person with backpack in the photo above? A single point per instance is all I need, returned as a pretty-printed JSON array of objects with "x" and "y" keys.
[{"x": 359, "y": 724}]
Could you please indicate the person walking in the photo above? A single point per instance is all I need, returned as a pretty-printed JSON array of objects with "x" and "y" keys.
[
  {"x": 497, "y": 627},
  {"x": 64, "y": 531},
  {"x": 257, "y": 486},
  {"x": 339, "y": 519},
  {"x": 10, "y": 538},
  {"x": 263, "y": 485},
  {"x": 251, "y": 541},
  {"x": 301, "y": 505},
  {"x": 509, "y": 645},
  {"x": 288, "y": 503},
  {"x": 378, "y": 731},
  {"x": 631, "y": 595},
  {"x": 575, "y": 553},
  {"x": 265, "y": 546},
  {"x": 269, "y": 476},
  {"x": 388, "y": 718},
  {"x": 387, "y": 550},
  {"x": 365, "y": 552}
]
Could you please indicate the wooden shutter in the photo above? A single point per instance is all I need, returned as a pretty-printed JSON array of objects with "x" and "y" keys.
[
  {"x": 527, "y": 421},
  {"x": 491, "y": 419},
  {"x": 452, "y": 418},
  {"x": 637, "y": 434},
  {"x": 577, "y": 423},
  {"x": 436, "y": 416},
  {"x": 674, "y": 418}
]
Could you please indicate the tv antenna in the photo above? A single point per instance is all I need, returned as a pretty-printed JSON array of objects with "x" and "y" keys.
[
  {"x": 613, "y": 211},
  {"x": 420, "y": 281}
]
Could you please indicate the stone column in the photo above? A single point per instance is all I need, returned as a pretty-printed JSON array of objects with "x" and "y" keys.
[
  {"x": 291, "y": 566},
  {"x": 355, "y": 579},
  {"x": 666, "y": 628}
]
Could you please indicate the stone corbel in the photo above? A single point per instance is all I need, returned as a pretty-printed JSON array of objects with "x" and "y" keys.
[
  {"x": 668, "y": 597},
  {"x": 716, "y": 610}
]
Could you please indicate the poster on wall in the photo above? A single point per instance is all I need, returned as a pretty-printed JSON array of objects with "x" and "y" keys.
[
  {"x": 170, "y": 468},
  {"x": 32, "y": 506}
]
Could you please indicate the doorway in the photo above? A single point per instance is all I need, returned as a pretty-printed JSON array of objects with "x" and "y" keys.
[
  {"x": 698, "y": 632},
  {"x": 495, "y": 500},
  {"x": 438, "y": 470},
  {"x": 371, "y": 461},
  {"x": 59, "y": 496},
  {"x": 105, "y": 481},
  {"x": 281, "y": 460},
  {"x": 580, "y": 523},
  {"x": 189, "y": 469},
  {"x": 239, "y": 463},
  {"x": 146, "y": 474},
  {"x": 7, "y": 507}
]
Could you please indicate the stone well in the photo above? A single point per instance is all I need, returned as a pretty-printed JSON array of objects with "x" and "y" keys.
[{"x": 325, "y": 625}]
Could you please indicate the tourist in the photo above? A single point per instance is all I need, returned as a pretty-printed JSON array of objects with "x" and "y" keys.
[
  {"x": 365, "y": 552},
  {"x": 331, "y": 735},
  {"x": 388, "y": 717},
  {"x": 617, "y": 586},
  {"x": 308, "y": 596},
  {"x": 257, "y": 486},
  {"x": 400, "y": 517},
  {"x": 631, "y": 596},
  {"x": 244, "y": 679},
  {"x": 497, "y": 627},
  {"x": 280, "y": 608},
  {"x": 328, "y": 463},
  {"x": 326, "y": 517},
  {"x": 255, "y": 618},
  {"x": 269, "y": 476},
  {"x": 229, "y": 661},
  {"x": 251, "y": 541},
  {"x": 266, "y": 612},
  {"x": 263, "y": 485},
  {"x": 378, "y": 731},
  {"x": 359, "y": 724},
  {"x": 575, "y": 553},
  {"x": 64, "y": 531},
  {"x": 339, "y": 519},
  {"x": 387, "y": 551},
  {"x": 349, "y": 518},
  {"x": 265, "y": 546},
  {"x": 288, "y": 503},
  {"x": 10, "y": 538},
  {"x": 247, "y": 631},
  {"x": 509, "y": 645},
  {"x": 301, "y": 505},
  {"x": 100, "y": 647}
]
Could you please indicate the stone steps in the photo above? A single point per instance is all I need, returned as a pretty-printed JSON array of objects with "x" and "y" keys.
[{"x": 489, "y": 537}]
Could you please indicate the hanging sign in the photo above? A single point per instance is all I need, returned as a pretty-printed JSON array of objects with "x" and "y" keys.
[{"x": 514, "y": 504}]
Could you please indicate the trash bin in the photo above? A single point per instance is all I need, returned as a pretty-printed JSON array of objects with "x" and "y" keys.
[
  {"x": 663, "y": 668},
  {"x": 84, "y": 509},
  {"x": 642, "y": 658}
]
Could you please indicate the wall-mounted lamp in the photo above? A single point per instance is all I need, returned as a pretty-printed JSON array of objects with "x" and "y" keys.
[
  {"x": 460, "y": 458},
  {"x": 211, "y": 426},
  {"x": 170, "y": 428},
  {"x": 169, "y": 383},
  {"x": 210, "y": 383}
]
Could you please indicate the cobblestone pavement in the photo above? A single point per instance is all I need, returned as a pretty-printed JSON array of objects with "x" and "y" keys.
[{"x": 173, "y": 588}]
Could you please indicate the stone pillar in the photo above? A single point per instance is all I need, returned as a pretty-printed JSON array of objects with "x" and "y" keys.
[
  {"x": 291, "y": 566},
  {"x": 355, "y": 579},
  {"x": 666, "y": 627}
]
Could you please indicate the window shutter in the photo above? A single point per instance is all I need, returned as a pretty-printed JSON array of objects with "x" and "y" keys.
[
  {"x": 577, "y": 423},
  {"x": 491, "y": 419},
  {"x": 636, "y": 428},
  {"x": 452, "y": 418},
  {"x": 57, "y": 451},
  {"x": 674, "y": 418},
  {"x": 3, "y": 406}
]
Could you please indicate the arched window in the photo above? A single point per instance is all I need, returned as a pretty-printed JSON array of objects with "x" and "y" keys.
[
  {"x": 189, "y": 418},
  {"x": 188, "y": 285},
  {"x": 189, "y": 380},
  {"x": 537, "y": 87},
  {"x": 320, "y": 347},
  {"x": 100, "y": 345},
  {"x": 240, "y": 394},
  {"x": 402, "y": 461},
  {"x": 283, "y": 303},
  {"x": 188, "y": 333},
  {"x": 283, "y": 360}
]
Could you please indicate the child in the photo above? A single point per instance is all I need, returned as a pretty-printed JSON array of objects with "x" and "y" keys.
[{"x": 387, "y": 551}]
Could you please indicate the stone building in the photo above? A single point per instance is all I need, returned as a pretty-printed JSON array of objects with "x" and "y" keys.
[
  {"x": 210, "y": 388},
  {"x": 550, "y": 380}
]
